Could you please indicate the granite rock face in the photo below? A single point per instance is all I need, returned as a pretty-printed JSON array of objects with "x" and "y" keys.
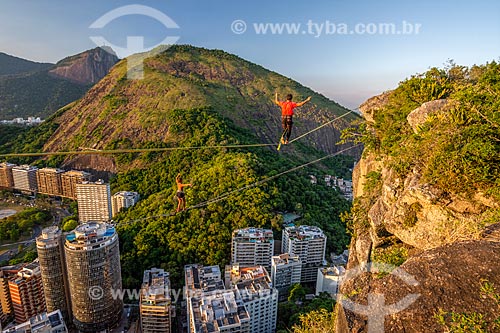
[
  {"x": 86, "y": 68},
  {"x": 450, "y": 251}
]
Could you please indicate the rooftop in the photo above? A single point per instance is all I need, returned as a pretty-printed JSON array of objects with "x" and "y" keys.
[
  {"x": 76, "y": 173},
  {"x": 218, "y": 311},
  {"x": 155, "y": 286},
  {"x": 250, "y": 282},
  {"x": 49, "y": 237},
  {"x": 25, "y": 167},
  {"x": 203, "y": 279},
  {"x": 126, "y": 194},
  {"x": 91, "y": 234},
  {"x": 41, "y": 323},
  {"x": 51, "y": 170},
  {"x": 257, "y": 234},
  {"x": 212, "y": 306},
  {"x": 284, "y": 259},
  {"x": 333, "y": 271},
  {"x": 304, "y": 232}
]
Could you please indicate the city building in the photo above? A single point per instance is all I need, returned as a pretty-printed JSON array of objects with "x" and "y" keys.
[
  {"x": 122, "y": 200},
  {"x": 309, "y": 244},
  {"x": 94, "y": 201},
  {"x": 26, "y": 293},
  {"x": 51, "y": 322},
  {"x": 49, "y": 181},
  {"x": 6, "y": 178},
  {"x": 94, "y": 276},
  {"x": 50, "y": 248},
  {"x": 329, "y": 279},
  {"x": 252, "y": 247},
  {"x": 253, "y": 286},
  {"x": 69, "y": 179},
  {"x": 285, "y": 272},
  {"x": 210, "y": 307},
  {"x": 28, "y": 122},
  {"x": 5, "y": 301},
  {"x": 24, "y": 177},
  {"x": 6, "y": 273},
  {"x": 155, "y": 304},
  {"x": 341, "y": 259}
]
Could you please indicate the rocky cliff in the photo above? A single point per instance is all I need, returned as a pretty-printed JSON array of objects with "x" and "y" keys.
[
  {"x": 33, "y": 89},
  {"x": 443, "y": 234},
  {"x": 86, "y": 68}
]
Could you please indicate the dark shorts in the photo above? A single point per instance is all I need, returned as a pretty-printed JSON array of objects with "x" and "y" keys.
[
  {"x": 286, "y": 121},
  {"x": 180, "y": 195}
]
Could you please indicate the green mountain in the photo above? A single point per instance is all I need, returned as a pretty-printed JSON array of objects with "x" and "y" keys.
[
  {"x": 197, "y": 97},
  {"x": 32, "y": 89},
  {"x": 10, "y": 65},
  {"x": 131, "y": 113}
]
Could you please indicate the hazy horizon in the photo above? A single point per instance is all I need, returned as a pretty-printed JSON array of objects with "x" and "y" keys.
[{"x": 317, "y": 45}]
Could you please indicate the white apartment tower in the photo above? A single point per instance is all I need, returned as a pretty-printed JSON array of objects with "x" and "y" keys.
[
  {"x": 94, "y": 201},
  {"x": 309, "y": 244},
  {"x": 123, "y": 199},
  {"x": 252, "y": 247},
  {"x": 253, "y": 286},
  {"x": 24, "y": 177}
]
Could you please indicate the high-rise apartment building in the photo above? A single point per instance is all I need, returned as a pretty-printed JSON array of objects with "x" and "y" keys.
[
  {"x": 7, "y": 310},
  {"x": 26, "y": 293},
  {"x": 329, "y": 280},
  {"x": 24, "y": 177},
  {"x": 51, "y": 322},
  {"x": 252, "y": 247},
  {"x": 210, "y": 307},
  {"x": 50, "y": 248},
  {"x": 49, "y": 181},
  {"x": 94, "y": 201},
  {"x": 309, "y": 243},
  {"x": 155, "y": 304},
  {"x": 6, "y": 178},
  {"x": 69, "y": 179},
  {"x": 123, "y": 199},
  {"x": 253, "y": 286},
  {"x": 6, "y": 274},
  {"x": 285, "y": 272},
  {"x": 94, "y": 276}
]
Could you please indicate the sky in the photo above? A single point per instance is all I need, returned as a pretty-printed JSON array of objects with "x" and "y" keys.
[{"x": 339, "y": 48}]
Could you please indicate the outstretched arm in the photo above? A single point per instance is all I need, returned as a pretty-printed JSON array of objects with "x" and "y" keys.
[
  {"x": 276, "y": 99},
  {"x": 304, "y": 101}
]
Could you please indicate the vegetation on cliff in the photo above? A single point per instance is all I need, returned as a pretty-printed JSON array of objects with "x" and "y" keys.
[
  {"x": 457, "y": 149},
  {"x": 427, "y": 192}
]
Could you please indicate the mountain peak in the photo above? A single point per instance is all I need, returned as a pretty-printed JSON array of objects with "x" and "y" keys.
[
  {"x": 11, "y": 65},
  {"x": 87, "y": 67},
  {"x": 189, "y": 78}
]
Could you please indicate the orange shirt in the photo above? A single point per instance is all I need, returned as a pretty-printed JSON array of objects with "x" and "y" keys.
[{"x": 287, "y": 108}]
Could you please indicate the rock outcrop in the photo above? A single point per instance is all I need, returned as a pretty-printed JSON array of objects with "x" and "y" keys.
[
  {"x": 373, "y": 104},
  {"x": 448, "y": 278},
  {"x": 449, "y": 250},
  {"x": 420, "y": 115},
  {"x": 86, "y": 68}
]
